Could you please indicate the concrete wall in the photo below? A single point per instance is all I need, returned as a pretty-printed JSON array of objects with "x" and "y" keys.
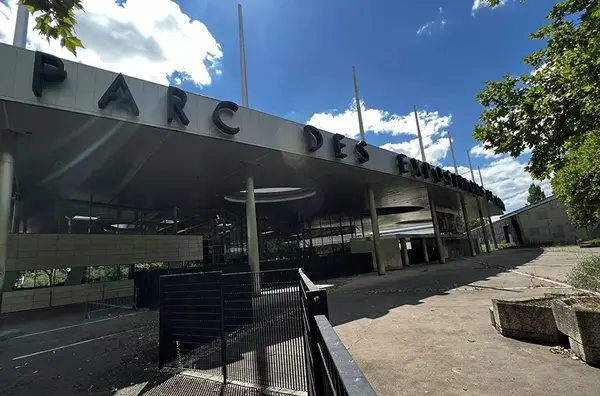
[
  {"x": 390, "y": 251},
  {"x": 47, "y": 251},
  {"x": 22, "y": 300},
  {"x": 545, "y": 222}
]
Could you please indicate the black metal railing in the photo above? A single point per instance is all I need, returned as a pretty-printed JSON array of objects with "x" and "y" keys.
[
  {"x": 269, "y": 329},
  {"x": 244, "y": 327},
  {"x": 329, "y": 367}
]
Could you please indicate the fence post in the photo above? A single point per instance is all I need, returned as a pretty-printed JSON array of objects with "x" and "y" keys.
[
  {"x": 223, "y": 333},
  {"x": 161, "y": 324},
  {"x": 316, "y": 305}
]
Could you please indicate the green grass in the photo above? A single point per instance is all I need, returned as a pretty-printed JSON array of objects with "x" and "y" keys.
[{"x": 586, "y": 274}]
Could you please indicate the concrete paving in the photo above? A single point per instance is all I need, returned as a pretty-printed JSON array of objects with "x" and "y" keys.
[{"x": 426, "y": 330}]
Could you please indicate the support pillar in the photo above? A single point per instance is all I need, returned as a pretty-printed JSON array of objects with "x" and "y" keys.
[
  {"x": 436, "y": 230},
  {"x": 467, "y": 225},
  {"x": 405, "y": 259},
  {"x": 75, "y": 276},
  {"x": 485, "y": 237},
  {"x": 379, "y": 264},
  {"x": 253, "y": 254},
  {"x": 7, "y": 141},
  {"x": 90, "y": 213},
  {"x": 425, "y": 251},
  {"x": 16, "y": 214},
  {"x": 175, "y": 220},
  {"x": 492, "y": 227}
]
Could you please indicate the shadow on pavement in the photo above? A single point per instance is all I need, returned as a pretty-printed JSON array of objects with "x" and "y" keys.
[{"x": 355, "y": 299}]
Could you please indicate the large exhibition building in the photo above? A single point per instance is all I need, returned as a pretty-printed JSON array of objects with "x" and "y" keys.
[{"x": 101, "y": 171}]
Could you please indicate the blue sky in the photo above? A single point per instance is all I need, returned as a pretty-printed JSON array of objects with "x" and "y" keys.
[{"x": 436, "y": 54}]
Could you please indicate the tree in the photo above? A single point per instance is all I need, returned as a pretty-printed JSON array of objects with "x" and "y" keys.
[
  {"x": 577, "y": 184},
  {"x": 551, "y": 111},
  {"x": 56, "y": 20},
  {"x": 535, "y": 194},
  {"x": 476, "y": 222}
]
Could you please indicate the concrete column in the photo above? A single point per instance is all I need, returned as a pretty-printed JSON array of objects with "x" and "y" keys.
[
  {"x": 175, "y": 220},
  {"x": 375, "y": 229},
  {"x": 16, "y": 214},
  {"x": 492, "y": 227},
  {"x": 485, "y": 237},
  {"x": 436, "y": 230},
  {"x": 405, "y": 259},
  {"x": 425, "y": 252},
  {"x": 253, "y": 254},
  {"x": 467, "y": 225},
  {"x": 7, "y": 141},
  {"x": 10, "y": 278},
  {"x": 75, "y": 276},
  {"x": 90, "y": 211}
]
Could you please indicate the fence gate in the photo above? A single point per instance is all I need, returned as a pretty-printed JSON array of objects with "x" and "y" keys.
[
  {"x": 264, "y": 339},
  {"x": 245, "y": 327}
]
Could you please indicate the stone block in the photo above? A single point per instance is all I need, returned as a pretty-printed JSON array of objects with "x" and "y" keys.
[
  {"x": 492, "y": 317},
  {"x": 528, "y": 319},
  {"x": 576, "y": 318}
]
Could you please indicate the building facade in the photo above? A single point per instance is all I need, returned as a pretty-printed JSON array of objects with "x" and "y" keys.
[{"x": 101, "y": 172}]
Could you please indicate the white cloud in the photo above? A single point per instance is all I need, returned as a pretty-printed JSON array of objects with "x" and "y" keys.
[
  {"x": 379, "y": 121},
  {"x": 429, "y": 27},
  {"x": 480, "y": 151},
  {"x": 147, "y": 41},
  {"x": 435, "y": 150},
  {"x": 479, "y": 4},
  {"x": 433, "y": 127},
  {"x": 507, "y": 178}
]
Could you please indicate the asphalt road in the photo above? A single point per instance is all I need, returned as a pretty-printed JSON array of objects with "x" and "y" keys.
[{"x": 94, "y": 359}]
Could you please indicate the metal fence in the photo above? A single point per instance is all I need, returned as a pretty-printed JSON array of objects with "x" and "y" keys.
[
  {"x": 111, "y": 300},
  {"x": 330, "y": 368},
  {"x": 222, "y": 324},
  {"x": 268, "y": 329}
]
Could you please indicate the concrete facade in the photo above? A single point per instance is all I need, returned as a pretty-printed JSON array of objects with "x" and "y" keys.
[
  {"x": 545, "y": 222},
  {"x": 47, "y": 251}
]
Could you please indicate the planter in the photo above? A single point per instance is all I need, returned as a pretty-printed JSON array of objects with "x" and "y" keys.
[
  {"x": 528, "y": 319},
  {"x": 579, "y": 319}
]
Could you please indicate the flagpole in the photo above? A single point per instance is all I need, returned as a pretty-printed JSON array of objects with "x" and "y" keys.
[
  {"x": 379, "y": 264},
  {"x": 463, "y": 205},
  {"x": 358, "y": 107},
  {"x": 432, "y": 206},
  {"x": 20, "y": 38},
  {"x": 243, "y": 57},
  {"x": 485, "y": 237}
]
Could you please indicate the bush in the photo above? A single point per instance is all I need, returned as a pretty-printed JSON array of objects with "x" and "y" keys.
[{"x": 586, "y": 274}]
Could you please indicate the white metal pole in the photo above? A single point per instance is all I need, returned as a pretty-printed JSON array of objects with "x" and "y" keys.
[
  {"x": 463, "y": 205},
  {"x": 358, "y": 108},
  {"x": 379, "y": 264},
  {"x": 20, "y": 38},
  {"x": 485, "y": 237},
  {"x": 243, "y": 57},
  {"x": 419, "y": 133},
  {"x": 432, "y": 207}
]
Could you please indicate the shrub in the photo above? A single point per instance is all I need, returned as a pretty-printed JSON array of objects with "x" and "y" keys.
[{"x": 586, "y": 274}]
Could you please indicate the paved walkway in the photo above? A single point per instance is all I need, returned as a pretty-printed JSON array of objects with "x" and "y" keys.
[{"x": 425, "y": 330}]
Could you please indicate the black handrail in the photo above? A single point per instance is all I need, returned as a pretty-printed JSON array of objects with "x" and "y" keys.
[{"x": 330, "y": 368}]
